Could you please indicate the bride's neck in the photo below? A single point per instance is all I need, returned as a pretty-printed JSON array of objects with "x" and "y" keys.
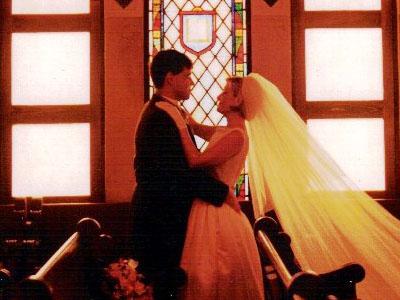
[{"x": 235, "y": 120}]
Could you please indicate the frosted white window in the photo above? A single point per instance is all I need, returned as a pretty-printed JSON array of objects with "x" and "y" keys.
[
  {"x": 50, "y": 6},
  {"x": 357, "y": 145},
  {"x": 342, "y": 4},
  {"x": 50, "y": 68},
  {"x": 51, "y": 160},
  {"x": 344, "y": 64}
]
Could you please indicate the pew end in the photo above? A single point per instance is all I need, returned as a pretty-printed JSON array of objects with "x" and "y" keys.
[
  {"x": 73, "y": 271},
  {"x": 296, "y": 283}
]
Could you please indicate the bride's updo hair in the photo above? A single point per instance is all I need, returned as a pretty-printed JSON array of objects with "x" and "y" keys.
[
  {"x": 250, "y": 89},
  {"x": 236, "y": 86}
]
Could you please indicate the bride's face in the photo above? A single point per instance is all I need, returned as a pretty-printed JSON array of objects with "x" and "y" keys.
[{"x": 227, "y": 100}]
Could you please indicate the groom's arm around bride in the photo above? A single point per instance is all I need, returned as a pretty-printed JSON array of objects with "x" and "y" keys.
[{"x": 166, "y": 186}]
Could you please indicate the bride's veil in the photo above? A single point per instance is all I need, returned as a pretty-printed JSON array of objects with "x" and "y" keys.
[{"x": 330, "y": 221}]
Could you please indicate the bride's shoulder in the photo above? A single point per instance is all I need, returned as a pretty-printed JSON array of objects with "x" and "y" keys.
[{"x": 232, "y": 131}]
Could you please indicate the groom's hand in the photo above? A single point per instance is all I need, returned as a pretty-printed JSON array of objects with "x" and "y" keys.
[
  {"x": 189, "y": 119},
  {"x": 232, "y": 201}
]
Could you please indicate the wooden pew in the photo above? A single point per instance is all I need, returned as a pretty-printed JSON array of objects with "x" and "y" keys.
[
  {"x": 297, "y": 284},
  {"x": 5, "y": 282},
  {"x": 73, "y": 269}
]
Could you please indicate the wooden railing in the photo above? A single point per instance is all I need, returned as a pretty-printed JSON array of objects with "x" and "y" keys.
[
  {"x": 64, "y": 276},
  {"x": 298, "y": 284}
]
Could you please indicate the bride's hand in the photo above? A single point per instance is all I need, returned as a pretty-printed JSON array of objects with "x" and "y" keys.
[{"x": 232, "y": 201}]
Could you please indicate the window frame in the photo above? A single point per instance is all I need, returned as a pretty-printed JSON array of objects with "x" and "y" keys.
[
  {"x": 51, "y": 114},
  {"x": 386, "y": 108}
]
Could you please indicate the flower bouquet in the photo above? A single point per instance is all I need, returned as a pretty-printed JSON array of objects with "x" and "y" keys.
[{"x": 124, "y": 282}]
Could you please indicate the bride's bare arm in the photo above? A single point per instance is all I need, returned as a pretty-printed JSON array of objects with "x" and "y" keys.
[{"x": 226, "y": 146}]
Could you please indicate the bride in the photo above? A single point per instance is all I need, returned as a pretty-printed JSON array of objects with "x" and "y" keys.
[
  {"x": 331, "y": 222},
  {"x": 220, "y": 254}
]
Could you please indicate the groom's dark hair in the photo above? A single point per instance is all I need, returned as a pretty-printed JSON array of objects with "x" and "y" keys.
[{"x": 168, "y": 61}]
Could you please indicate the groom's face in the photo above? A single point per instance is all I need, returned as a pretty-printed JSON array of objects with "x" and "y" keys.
[{"x": 182, "y": 83}]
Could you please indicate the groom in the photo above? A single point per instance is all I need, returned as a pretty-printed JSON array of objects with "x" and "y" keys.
[{"x": 166, "y": 186}]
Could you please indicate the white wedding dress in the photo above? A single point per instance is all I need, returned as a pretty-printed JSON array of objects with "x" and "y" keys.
[{"x": 220, "y": 254}]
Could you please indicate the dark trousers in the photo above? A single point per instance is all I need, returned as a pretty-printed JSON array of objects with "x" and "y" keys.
[
  {"x": 164, "y": 293},
  {"x": 167, "y": 286}
]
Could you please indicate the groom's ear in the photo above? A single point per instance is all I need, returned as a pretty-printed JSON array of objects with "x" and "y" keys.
[{"x": 168, "y": 79}]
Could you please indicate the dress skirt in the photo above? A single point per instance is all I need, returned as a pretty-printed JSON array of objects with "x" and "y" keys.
[{"x": 220, "y": 255}]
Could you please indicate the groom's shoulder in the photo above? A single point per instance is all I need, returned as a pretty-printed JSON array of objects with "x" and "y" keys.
[{"x": 153, "y": 112}]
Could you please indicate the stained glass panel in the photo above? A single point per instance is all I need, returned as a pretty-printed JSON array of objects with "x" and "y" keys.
[{"x": 223, "y": 23}]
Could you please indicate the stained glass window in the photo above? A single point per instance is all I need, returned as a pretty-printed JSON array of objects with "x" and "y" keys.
[{"x": 212, "y": 33}]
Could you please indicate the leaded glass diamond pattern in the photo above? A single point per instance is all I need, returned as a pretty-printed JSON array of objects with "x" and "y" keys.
[
  {"x": 227, "y": 56},
  {"x": 198, "y": 92},
  {"x": 211, "y": 68},
  {"x": 207, "y": 79}
]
